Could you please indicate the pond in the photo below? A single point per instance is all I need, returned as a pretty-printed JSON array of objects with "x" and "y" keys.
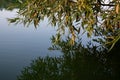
[
  {"x": 19, "y": 45},
  {"x": 27, "y": 53}
]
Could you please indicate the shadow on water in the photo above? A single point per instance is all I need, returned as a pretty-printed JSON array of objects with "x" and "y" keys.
[
  {"x": 76, "y": 63},
  {"x": 77, "y": 67}
]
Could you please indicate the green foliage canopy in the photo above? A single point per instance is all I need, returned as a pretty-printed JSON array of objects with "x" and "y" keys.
[{"x": 96, "y": 17}]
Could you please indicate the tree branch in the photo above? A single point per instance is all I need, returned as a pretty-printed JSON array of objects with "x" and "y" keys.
[{"x": 103, "y": 4}]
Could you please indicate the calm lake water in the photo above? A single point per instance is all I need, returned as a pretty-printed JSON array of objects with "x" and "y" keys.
[{"x": 19, "y": 45}]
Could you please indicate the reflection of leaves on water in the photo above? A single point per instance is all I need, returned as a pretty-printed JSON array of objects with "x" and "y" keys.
[
  {"x": 67, "y": 67},
  {"x": 76, "y": 63}
]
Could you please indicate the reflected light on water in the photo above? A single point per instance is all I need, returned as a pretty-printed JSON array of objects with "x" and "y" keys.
[{"x": 19, "y": 45}]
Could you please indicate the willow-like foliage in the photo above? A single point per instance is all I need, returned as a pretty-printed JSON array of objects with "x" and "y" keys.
[{"x": 95, "y": 17}]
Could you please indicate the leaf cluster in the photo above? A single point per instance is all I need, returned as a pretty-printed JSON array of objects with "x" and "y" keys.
[{"x": 94, "y": 17}]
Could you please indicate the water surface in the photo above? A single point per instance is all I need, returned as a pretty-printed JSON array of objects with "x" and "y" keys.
[{"x": 19, "y": 45}]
